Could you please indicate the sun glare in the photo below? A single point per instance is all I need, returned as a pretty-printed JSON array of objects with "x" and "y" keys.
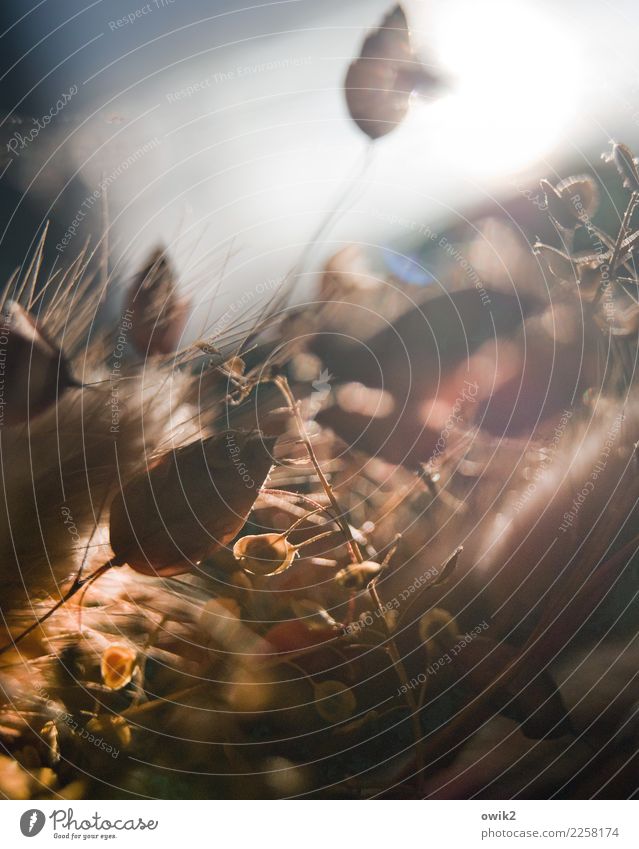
[{"x": 513, "y": 86}]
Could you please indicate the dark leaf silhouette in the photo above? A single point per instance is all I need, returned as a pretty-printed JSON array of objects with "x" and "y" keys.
[
  {"x": 379, "y": 83},
  {"x": 425, "y": 362},
  {"x": 159, "y": 315},
  {"x": 533, "y": 700},
  {"x": 36, "y": 371},
  {"x": 192, "y": 501}
]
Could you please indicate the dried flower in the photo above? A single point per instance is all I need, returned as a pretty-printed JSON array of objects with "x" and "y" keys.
[
  {"x": 191, "y": 502},
  {"x": 264, "y": 554},
  {"x": 36, "y": 370},
  {"x": 118, "y": 665},
  {"x": 550, "y": 519}
]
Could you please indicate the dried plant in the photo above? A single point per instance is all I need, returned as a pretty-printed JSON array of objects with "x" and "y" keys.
[
  {"x": 380, "y": 81},
  {"x": 283, "y": 563}
]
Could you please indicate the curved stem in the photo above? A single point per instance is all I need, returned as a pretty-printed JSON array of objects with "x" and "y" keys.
[
  {"x": 333, "y": 215},
  {"x": 317, "y": 537},
  {"x": 282, "y": 384},
  {"x": 326, "y": 223}
]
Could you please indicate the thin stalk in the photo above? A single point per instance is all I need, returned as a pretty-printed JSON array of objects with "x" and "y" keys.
[
  {"x": 304, "y": 518},
  {"x": 76, "y": 586},
  {"x": 294, "y": 407},
  {"x": 340, "y": 205},
  {"x": 634, "y": 197},
  {"x": 317, "y": 538},
  {"x": 616, "y": 251},
  {"x": 136, "y": 710}
]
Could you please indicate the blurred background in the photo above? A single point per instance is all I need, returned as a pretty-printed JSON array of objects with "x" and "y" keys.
[{"x": 222, "y": 131}]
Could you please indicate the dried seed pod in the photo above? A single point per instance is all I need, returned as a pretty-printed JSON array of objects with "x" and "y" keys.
[
  {"x": 583, "y": 193},
  {"x": 118, "y": 665},
  {"x": 158, "y": 314},
  {"x": 626, "y": 165},
  {"x": 334, "y": 701},
  {"x": 572, "y": 201},
  {"x": 264, "y": 554},
  {"x": 358, "y": 575},
  {"x": 35, "y": 372},
  {"x": 194, "y": 500},
  {"x": 379, "y": 83}
]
